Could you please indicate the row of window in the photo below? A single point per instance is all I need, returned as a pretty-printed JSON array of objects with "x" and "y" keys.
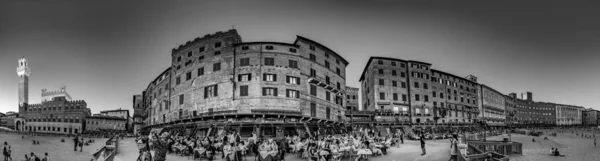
[
  {"x": 425, "y": 86},
  {"x": 217, "y": 67},
  {"x": 313, "y": 58},
  {"x": 393, "y": 63},
  {"x": 54, "y": 120},
  {"x": 270, "y": 47},
  {"x": 52, "y": 129},
  {"x": 201, "y": 49},
  {"x": 353, "y": 96},
  {"x": 453, "y": 84},
  {"x": 53, "y": 108},
  {"x": 105, "y": 123}
]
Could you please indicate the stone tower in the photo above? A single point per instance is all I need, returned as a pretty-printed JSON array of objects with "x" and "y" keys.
[{"x": 23, "y": 73}]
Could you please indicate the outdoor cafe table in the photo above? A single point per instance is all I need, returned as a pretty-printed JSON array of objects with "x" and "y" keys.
[{"x": 267, "y": 155}]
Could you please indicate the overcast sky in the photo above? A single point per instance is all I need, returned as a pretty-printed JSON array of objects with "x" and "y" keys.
[{"x": 107, "y": 51}]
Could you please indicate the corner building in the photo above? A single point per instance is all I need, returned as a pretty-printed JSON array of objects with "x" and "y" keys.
[
  {"x": 406, "y": 92},
  {"x": 272, "y": 88}
]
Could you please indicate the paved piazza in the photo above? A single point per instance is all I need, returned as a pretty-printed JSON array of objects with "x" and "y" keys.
[
  {"x": 574, "y": 147},
  {"x": 57, "y": 150}
]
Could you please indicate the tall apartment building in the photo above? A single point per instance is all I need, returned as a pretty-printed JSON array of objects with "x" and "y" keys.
[
  {"x": 408, "y": 91},
  {"x": 219, "y": 75}
]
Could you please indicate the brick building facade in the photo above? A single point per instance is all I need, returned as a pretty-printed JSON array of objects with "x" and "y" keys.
[
  {"x": 568, "y": 115},
  {"x": 100, "y": 123},
  {"x": 491, "y": 105},
  {"x": 219, "y": 74},
  {"x": 406, "y": 91},
  {"x": 56, "y": 116}
]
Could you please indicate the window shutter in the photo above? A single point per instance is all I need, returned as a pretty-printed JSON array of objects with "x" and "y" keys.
[
  {"x": 274, "y": 77},
  {"x": 264, "y": 91},
  {"x": 287, "y": 93},
  {"x": 287, "y": 79},
  {"x": 298, "y": 80},
  {"x": 239, "y": 78},
  {"x": 297, "y": 94},
  {"x": 216, "y": 90},
  {"x": 250, "y": 77},
  {"x": 264, "y": 77},
  {"x": 274, "y": 91}
]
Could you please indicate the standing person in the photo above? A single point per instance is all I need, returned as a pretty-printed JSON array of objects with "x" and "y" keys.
[
  {"x": 422, "y": 138},
  {"x": 34, "y": 158},
  {"x": 46, "y": 157},
  {"x": 402, "y": 138},
  {"x": 453, "y": 144},
  {"x": 6, "y": 151},
  {"x": 75, "y": 143},
  {"x": 80, "y": 144},
  {"x": 594, "y": 143}
]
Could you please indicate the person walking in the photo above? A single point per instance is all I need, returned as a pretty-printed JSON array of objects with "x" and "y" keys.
[
  {"x": 453, "y": 145},
  {"x": 80, "y": 144},
  {"x": 422, "y": 138},
  {"x": 75, "y": 143},
  {"x": 402, "y": 138}
]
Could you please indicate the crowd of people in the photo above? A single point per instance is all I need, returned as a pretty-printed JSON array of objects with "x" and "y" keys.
[
  {"x": 104, "y": 133},
  {"x": 358, "y": 144}
]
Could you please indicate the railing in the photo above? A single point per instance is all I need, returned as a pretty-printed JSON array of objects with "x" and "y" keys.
[
  {"x": 503, "y": 148},
  {"x": 475, "y": 154},
  {"x": 110, "y": 152}
]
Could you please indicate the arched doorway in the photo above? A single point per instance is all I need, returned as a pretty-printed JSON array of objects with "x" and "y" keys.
[{"x": 18, "y": 126}]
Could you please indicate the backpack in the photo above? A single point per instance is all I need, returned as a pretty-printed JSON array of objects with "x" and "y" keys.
[{"x": 37, "y": 159}]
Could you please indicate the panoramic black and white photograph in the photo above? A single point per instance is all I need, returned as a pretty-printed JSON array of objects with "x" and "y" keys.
[{"x": 299, "y": 80}]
